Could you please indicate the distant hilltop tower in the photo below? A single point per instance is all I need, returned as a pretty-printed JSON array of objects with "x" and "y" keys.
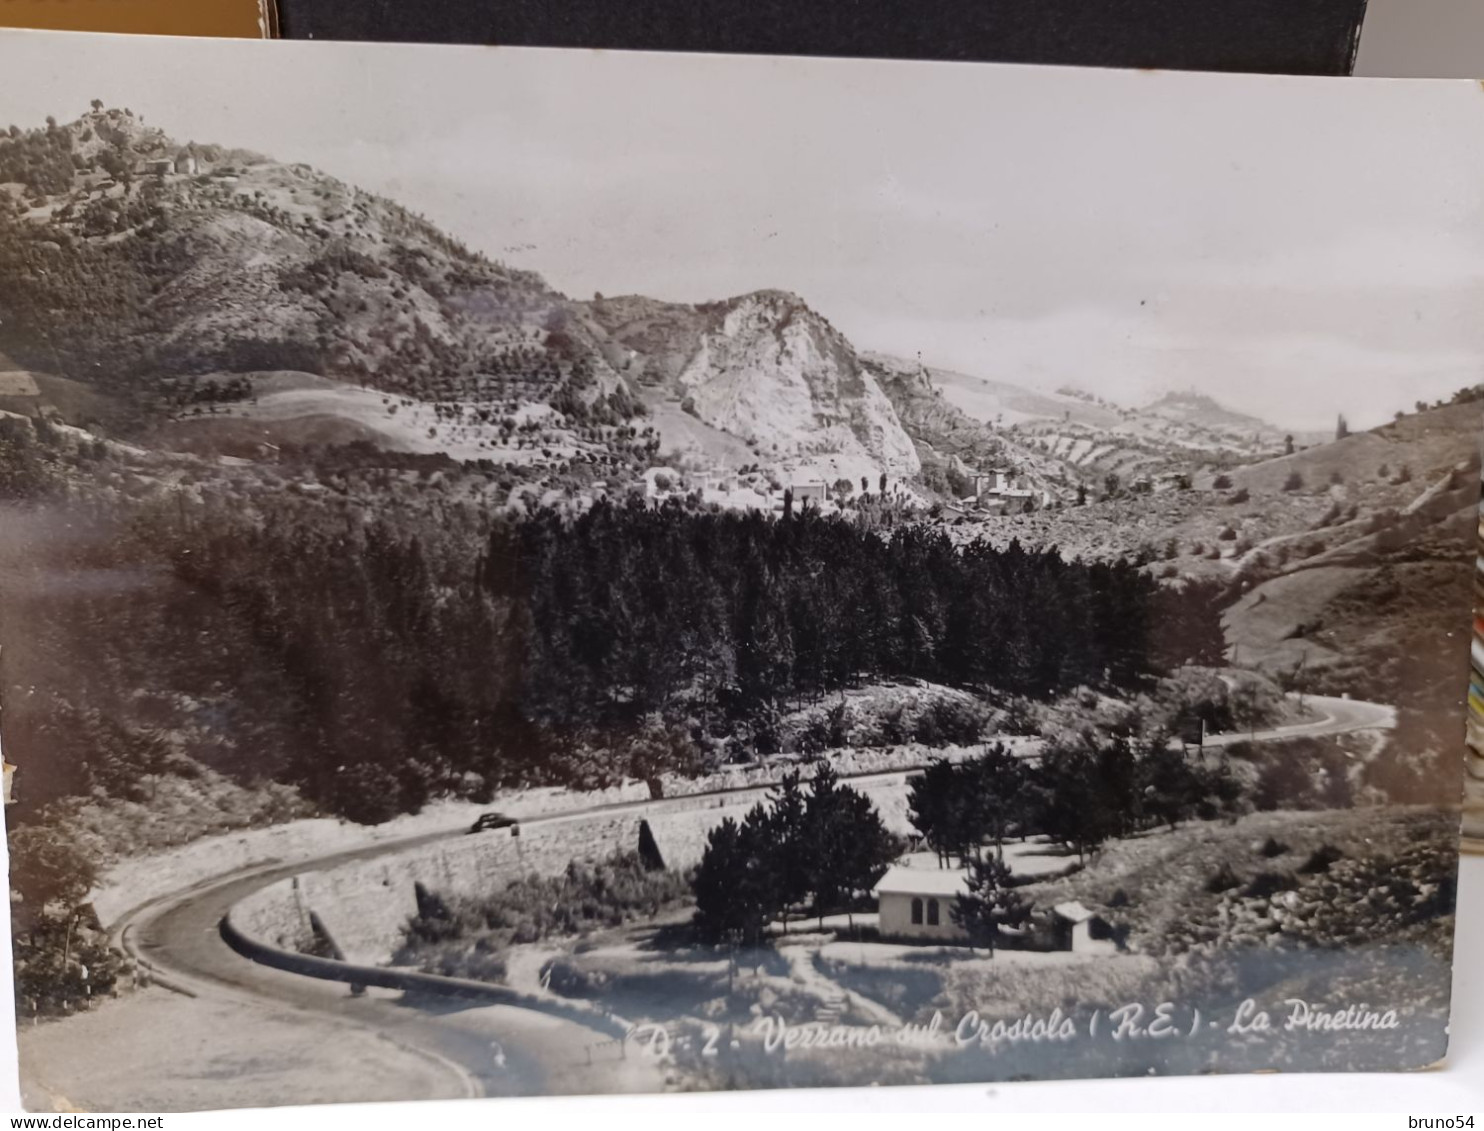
[{"x": 1342, "y": 428}]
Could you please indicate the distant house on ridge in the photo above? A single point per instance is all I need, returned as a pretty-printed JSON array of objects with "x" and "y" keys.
[{"x": 809, "y": 493}]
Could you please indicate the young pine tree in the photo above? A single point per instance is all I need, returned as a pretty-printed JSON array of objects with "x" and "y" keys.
[
  {"x": 996, "y": 781},
  {"x": 848, "y": 846},
  {"x": 734, "y": 885},
  {"x": 935, "y": 802},
  {"x": 990, "y": 904}
]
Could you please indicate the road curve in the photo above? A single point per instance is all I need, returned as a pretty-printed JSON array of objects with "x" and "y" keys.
[
  {"x": 1336, "y": 716},
  {"x": 499, "y": 1049}
]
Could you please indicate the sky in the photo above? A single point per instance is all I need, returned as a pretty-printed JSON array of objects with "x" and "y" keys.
[{"x": 1295, "y": 247}]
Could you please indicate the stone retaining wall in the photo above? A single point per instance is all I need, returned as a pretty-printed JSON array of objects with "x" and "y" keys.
[{"x": 365, "y": 904}]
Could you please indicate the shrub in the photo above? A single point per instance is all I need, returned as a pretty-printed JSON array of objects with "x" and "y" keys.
[
  {"x": 1222, "y": 482},
  {"x": 62, "y": 960},
  {"x": 1266, "y": 884},
  {"x": 951, "y": 722},
  {"x": 1320, "y": 859},
  {"x": 893, "y": 728},
  {"x": 814, "y": 737},
  {"x": 1273, "y": 847},
  {"x": 1281, "y": 784},
  {"x": 470, "y": 936},
  {"x": 1020, "y": 719},
  {"x": 1241, "y": 495},
  {"x": 1294, "y": 482},
  {"x": 1223, "y": 880},
  {"x": 837, "y": 726}
]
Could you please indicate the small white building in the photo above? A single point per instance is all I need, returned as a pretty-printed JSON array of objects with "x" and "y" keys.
[
  {"x": 1077, "y": 929},
  {"x": 917, "y": 903}
]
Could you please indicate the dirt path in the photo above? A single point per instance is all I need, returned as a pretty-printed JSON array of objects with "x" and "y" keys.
[
  {"x": 523, "y": 966},
  {"x": 802, "y": 970}
]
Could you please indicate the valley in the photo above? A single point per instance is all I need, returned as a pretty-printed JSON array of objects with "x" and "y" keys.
[{"x": 326, "y": 533}]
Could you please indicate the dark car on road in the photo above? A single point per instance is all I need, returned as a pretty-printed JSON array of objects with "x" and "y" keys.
[{"x": 493, "y": 821}]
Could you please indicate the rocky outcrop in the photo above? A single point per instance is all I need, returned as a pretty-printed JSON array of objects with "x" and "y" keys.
[
  {"x": 768, "y": 370},
  {"x": 775, "y": 373}
]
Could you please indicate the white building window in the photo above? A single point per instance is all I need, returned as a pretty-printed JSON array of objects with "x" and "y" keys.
[
  {"x": 916, "y": 911},
  {"x": 932, "y": 913}
]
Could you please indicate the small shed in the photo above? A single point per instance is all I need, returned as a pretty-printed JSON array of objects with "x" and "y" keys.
[
  {"x": 916, "y": 903},
  {"x": 1079, "y": 930}
]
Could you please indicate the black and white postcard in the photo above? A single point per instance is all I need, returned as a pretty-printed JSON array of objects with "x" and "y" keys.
[{"x": 538, "y": 572}]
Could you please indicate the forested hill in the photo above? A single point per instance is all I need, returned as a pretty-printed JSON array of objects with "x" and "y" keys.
[
  {"x": 188, "y": 280},
  {"x": 634, "y": 610},
  {"x": 217, "y": 301},
  {"x": 375, "y": 670},
  {"x": 227, "y": 261}
]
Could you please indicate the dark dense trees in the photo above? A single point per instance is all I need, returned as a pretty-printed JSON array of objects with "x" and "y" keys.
[
  {"x": 820, "y": 845},
  {"x": 377, "y": 663},
  {"x": 956, "y": 807},
  {"x": 90, "y": 289},
  {"x": 1080, "y": 793},
  {"x": 39, "y": 159},
  {"x": 630, "y": 609}
]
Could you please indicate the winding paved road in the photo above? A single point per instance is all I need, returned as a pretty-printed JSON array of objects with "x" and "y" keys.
[{"x": 485, "y": 1049}]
